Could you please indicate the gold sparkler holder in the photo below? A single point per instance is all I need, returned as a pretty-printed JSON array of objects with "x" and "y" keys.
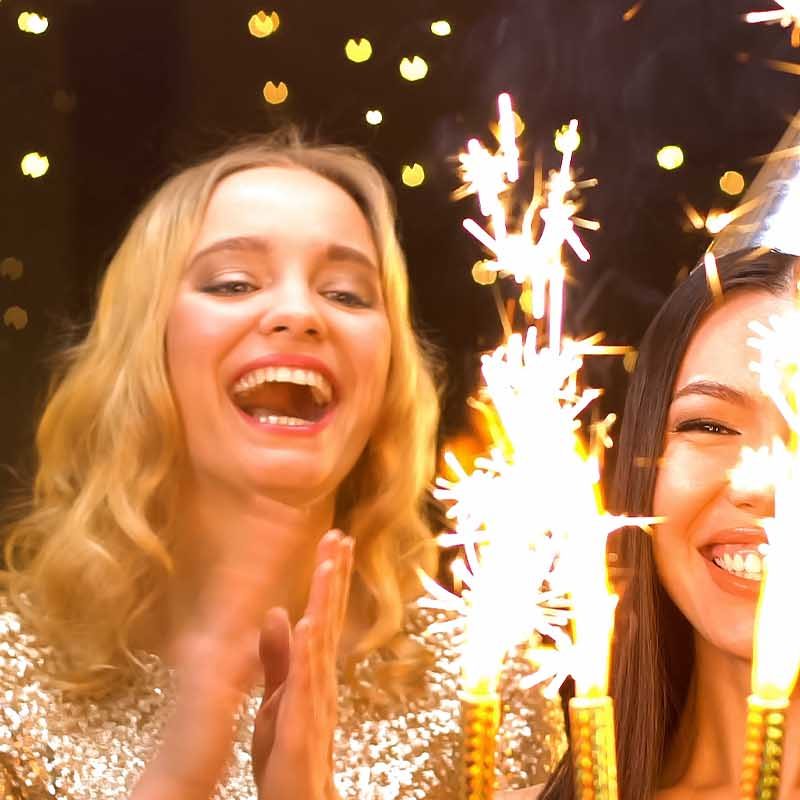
[
  {"x": 480, "y": 719},
  {"x": 592, "y": 742},
  {"x": 764, "y": 744}
]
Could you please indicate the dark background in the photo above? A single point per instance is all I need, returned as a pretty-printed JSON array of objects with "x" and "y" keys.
[{"x": 119, "y": 93}]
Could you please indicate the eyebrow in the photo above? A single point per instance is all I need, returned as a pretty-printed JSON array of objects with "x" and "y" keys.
[
  {"x": 720, "y": 391},
  {"x": 334, "y": 252}
]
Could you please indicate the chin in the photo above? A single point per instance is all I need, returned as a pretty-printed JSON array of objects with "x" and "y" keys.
[{"x": 733, "y": 637}]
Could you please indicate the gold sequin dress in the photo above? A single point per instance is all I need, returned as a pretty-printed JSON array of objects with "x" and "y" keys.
[{"x": 55, "y": 747}]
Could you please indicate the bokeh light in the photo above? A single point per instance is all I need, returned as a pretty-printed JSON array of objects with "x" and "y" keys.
[
  {"x": 441, "y": 27},
  {"x": 413, "y": 175},
  {"x": 732, "y": 182},
  {"x": 670, "y": 157},
  {"x": 29, "y": 22},
  {"x": 414, "y": 68},
  {"x": 629, "y": 360},
  {"x": 482, "y": 274},
  {"x": 11, "y": 268},
  {"x": 275, "y": 94},
  {"x": 519, "y": 125},
  {"x": 716, "y": 221},
  {"x": 374, "y": 116},
  {"x": 262, "y": 24},
  {"x": 34, "y": 165},
  {"x": 15, "y": 317},
  {"x": 565, "y": 139},
  {"x": 358, "y": 50}
]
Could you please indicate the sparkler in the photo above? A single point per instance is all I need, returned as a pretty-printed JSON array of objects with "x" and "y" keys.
[
  {"x": 530, "y": 517},
  {"x": 788, "y": 16},
  {"x": 776, "y": 655}
]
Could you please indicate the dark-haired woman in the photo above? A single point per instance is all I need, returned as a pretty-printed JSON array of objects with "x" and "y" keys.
[{"x": 681, "y": 663}]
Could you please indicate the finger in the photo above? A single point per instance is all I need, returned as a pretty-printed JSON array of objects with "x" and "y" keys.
[
  {"x": 349, "y": 546},
  {"x": 328, "y": 547},
  {"x": 274, "y": 649}
]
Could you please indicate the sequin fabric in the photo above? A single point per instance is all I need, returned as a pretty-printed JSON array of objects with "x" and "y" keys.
[{"x": 55, "y": 747}]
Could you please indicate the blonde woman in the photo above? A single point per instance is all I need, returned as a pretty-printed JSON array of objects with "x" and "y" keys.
[{"x": 250, "y": 381}]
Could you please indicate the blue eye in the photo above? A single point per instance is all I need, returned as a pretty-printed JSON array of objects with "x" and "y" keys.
[
  {"x": 230, "y": 288},
  {"x": 705, "y": 426}
]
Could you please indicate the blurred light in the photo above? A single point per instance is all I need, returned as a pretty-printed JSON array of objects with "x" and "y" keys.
[
  {"x": 34, "y": 165},
  {"x": 632, "y": 11},
  {"x": 567, "y": 139},
  {"x": 519, "y": 125},
  {"x": 670, "y": 157},
  {"x": 732, "y": 183},
  {"x": 783, "y": 66},
  {"x": 262, "y": 24},
  {"x": 414, "y": 69},
  {"x": 716, "y": 221},
  {"x": 629, "y": 360},
  {"x": 11, "y": 268},
  {"x": 526, "y": 301},
  {"x": 275, "y": 94},
  {"x": 413, "y": 175},
  {"x": 29, "y": 22},
  {"x": 15, "y": 317},
  {"x": 482, "y": 274},
  {"x": 358, "y": 51},
  {"x": 374, "y": 116},
  {"x": 441, "y": 28}
]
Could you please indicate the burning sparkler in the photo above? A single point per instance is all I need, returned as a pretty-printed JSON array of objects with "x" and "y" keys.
[
  {"x": 530, "y": 516},
  {"x": 776, "y": 656},
  {"x": 788, "y": 16}
]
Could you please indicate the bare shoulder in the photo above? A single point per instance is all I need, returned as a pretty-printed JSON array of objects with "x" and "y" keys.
[{"x": 531, "y": 793}]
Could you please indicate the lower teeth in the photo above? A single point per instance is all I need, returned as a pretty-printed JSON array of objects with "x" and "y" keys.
[
  {"x": 292, "y": 422},
  {"x": 751, "y": 576}
]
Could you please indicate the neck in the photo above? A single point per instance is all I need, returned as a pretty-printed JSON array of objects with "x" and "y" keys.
[
  {"x": 708, "y": 747},
  {"x": 253, "y": 548}
]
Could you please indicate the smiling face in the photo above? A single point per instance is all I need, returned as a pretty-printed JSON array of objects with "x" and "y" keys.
[
  {"x": 707, "y": 550},
  {"x": 278, "y": 344}
]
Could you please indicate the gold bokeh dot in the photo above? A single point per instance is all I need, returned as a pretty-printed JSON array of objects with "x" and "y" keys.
[
  {"x": 670, "y": 157},
  {"x": 413, "y": 175},
  {"x": 15, "y": 317},
  {"x": 275, "y": 93},
  {"x": 732, "y": 182},
  {"x": 482, "y": 274},
  {"x": 11, "y": 268}
]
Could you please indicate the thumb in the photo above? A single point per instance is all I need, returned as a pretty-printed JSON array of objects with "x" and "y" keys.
[{"x": 274, "y": 649}]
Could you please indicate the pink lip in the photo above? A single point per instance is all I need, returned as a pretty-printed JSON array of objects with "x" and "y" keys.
[
  {"x": 731, "y": 583},
  {"x": 753, "y": 536}
]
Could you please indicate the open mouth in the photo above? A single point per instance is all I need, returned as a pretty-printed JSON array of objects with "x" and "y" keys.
[
  {"x": 737, "y": 560},
  {"x": 288, "y": 396}
]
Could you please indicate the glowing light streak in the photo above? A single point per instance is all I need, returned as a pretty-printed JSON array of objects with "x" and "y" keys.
[
  {"x": 787, "y": 16},
  {"x": 783, "y": 66},
  {"x": 712, "y": 276}
]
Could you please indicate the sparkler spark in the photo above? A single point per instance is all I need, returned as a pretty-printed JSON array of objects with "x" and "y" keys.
[
  {"x": 776, "y": 655},
  {"x": 788, "y": 16}
]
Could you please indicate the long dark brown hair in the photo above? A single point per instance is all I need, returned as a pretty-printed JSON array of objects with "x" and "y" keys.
[{"x": 653, "y": 656}]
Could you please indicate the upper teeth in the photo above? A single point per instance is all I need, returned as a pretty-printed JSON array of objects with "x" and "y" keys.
[
  {"x": 743, "y": 563},
  {"x": 320, "y": 387}
]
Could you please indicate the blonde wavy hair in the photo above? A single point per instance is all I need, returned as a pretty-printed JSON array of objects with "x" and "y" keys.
[{"x": 93, "y": 550}]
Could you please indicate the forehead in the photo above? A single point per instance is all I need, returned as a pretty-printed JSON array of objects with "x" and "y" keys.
[
  {"x": 719, "y": 351},
  {"x": 284, "y": 202}
]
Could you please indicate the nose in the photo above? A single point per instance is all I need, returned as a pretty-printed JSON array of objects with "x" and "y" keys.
[
  {"x": 292, "y": 309},
  {"x": 750, "y": 497}
]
